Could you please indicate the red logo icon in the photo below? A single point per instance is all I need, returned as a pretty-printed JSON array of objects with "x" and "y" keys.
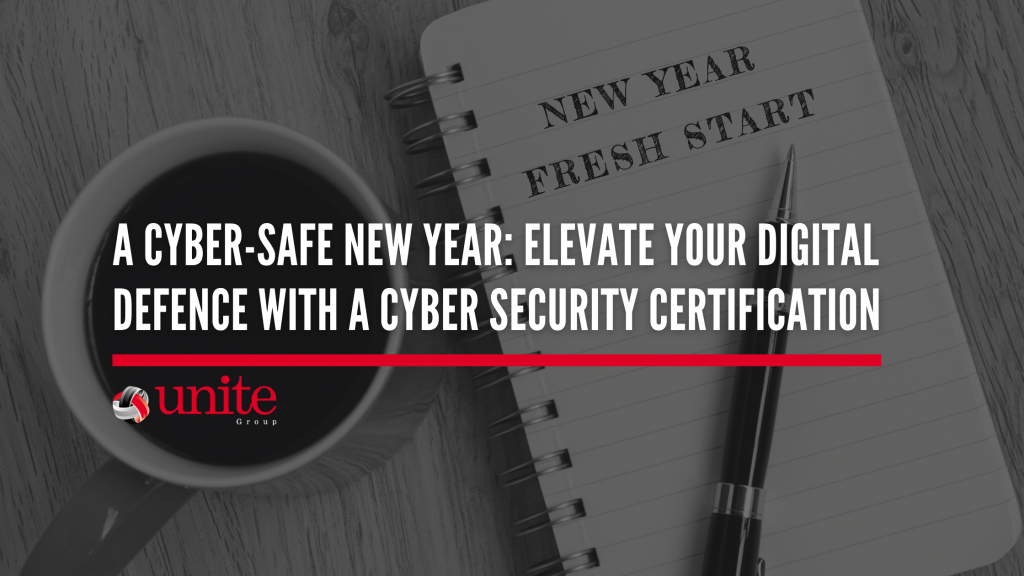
[{"x": 132, "y": 405}]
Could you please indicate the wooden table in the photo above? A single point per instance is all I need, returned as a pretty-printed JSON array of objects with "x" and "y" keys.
[{"x": 81, "y": 81}]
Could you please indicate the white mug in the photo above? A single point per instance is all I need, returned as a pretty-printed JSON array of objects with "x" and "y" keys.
[{"x": 127, "y": 500}]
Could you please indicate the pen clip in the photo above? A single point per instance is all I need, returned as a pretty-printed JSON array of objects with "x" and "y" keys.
[{"x": 760, "y": 567}]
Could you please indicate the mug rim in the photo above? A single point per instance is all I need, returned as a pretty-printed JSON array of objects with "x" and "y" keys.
[{"x": 74, "y": 249}]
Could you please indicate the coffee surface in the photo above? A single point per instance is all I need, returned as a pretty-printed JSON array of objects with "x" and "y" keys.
[{"x": 209, "y": 414}]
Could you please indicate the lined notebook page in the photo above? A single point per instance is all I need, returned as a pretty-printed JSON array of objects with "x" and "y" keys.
[{"x": 891, "y": 470}]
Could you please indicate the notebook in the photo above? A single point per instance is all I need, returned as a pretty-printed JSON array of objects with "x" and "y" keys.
[{"x": 890, "y": 470}]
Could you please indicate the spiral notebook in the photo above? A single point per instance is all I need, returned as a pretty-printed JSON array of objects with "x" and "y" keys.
[{"x": 892, "y": 470}]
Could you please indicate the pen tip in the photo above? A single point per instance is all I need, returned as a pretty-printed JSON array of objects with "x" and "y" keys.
[{"x": 791, "y": 157}]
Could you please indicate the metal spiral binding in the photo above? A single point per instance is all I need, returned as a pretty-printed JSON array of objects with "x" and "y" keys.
[
  {"x": 419, "y": 140},
  {"x": 511, "y": 374},
  {"x": 474, "y": 336},
  {"x": 548, "y": 407},
  {"x": 417, "y": 143},
  {"x": 573, "y": 510},
  {"x": 418, "y": 91},
  {"x": 487, "y": 331},
  {"x": 559, "y": 459},
  {"x": 493, "y": 214},
  {"x": 556, "y": 566},
  {"x": 502, "y": 269},
  {"x": 439, "y": 182}
]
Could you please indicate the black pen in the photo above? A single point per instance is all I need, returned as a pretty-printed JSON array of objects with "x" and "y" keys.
[{"x": 734, "y": 534}]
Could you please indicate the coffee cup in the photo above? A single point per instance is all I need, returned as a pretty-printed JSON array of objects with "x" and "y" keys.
[{"x": 307, "y": 437}]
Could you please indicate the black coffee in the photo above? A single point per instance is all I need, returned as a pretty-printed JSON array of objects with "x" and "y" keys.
[{"x": 226, "y": 416}]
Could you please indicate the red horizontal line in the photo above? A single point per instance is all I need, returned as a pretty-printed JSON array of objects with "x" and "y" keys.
[{"x": 308, "y": 360}]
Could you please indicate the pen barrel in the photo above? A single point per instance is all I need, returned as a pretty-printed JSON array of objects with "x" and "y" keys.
[
  {"x": 732, "y": 546},
  {"x": 755, "y": 400},
  {"x": 755, "y": 393},
  {"x": 734, "y": 533}
]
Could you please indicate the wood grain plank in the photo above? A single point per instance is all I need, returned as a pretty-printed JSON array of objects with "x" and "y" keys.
[{"x": 954, "y": 73}]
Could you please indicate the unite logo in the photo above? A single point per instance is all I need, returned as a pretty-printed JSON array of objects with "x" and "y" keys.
[{"x": 132, "y": 404}]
